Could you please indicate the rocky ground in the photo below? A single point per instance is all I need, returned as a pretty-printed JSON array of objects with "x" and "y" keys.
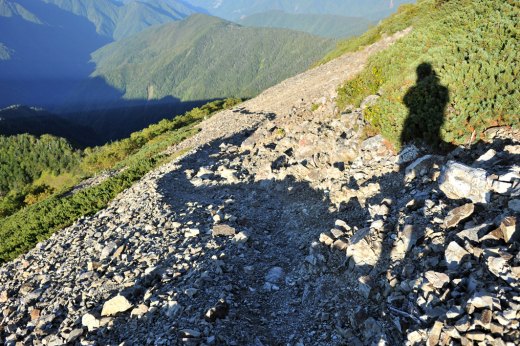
[{"x": 285, "y": 225}]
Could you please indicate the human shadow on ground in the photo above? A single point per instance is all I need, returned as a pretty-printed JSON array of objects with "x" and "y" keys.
[{"x": 426, "y": 101}]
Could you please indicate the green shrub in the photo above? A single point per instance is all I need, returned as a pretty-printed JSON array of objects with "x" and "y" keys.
[{"x": 473, "y": 49}]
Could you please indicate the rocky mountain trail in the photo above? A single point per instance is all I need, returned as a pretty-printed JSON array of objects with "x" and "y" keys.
[{"x": 283, "y": 224}]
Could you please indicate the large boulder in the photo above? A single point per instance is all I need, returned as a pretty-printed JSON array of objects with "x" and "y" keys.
[{"x": 459, "y": 181}]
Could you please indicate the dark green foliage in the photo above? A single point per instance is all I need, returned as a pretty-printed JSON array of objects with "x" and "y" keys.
[
  {"x": 23, "y": 158},
  {"x": 473, "y": 48},
  {"x": 324, "y": 25},
  {"x": 21, "y": 230},
  {"x": 205, "y": 58}
]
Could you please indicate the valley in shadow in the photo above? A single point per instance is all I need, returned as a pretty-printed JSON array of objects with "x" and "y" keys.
[
  {"x": 48, "y": 60},
  {"x": 95, "y": 115},
  {"x": 48, "y": 77}
]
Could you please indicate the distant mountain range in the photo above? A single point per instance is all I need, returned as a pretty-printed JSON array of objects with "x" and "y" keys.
[
  {"x": 51, "y": 56},
  {"x": 324, "y": 25},
  {"x": 118, "y": 19},
  {"x": 237, "y": 9}
]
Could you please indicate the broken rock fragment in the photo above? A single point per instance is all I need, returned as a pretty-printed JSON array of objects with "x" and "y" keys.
[
  {"x": 363, "y": 250},
  {"x": 454, "y": 254},
  {"x": 459, "y": 214},
  {"x": 219, "y": 311},
  {"x": 438, "y": 280},
  {"x": 406, "y": 239},
  {"x": 459, "y": 181},
  {"x": 90, "y": 322},
  {"x": 223, "y": 231},
  {"x": 3, "y": 296},
  {"x": 509, "y": 229},
  {"x": 115, "y": 305}
]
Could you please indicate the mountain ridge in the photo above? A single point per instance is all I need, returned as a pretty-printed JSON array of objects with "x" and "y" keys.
[
  {"x": 326, "y": 25},
  {"x": 256, "y": 218}
]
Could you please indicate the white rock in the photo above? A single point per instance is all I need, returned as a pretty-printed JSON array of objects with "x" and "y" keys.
[
  {"x": 501, "y": 187},
  {"x": 406, "y": 239},
  {"x": 408, "y": 154},
  {"x": 454, "y": 254},
  {"x": 192, "y": 232},
  {"x": 90, "y": 322},
  {"x": 343, "y": 224},
  {"x": 362, "y": 251},
  {"x": 438, "y": 280},
  {"x": 487, "y": 156},
  {"x": 458, "y": 181},
  {"x": 241, "y": 237},
  {"x": 108, "y": 250},
  {"x": 509, "y": 229},
  {"x": 115, "y": 305},
  {"x": 139, "y": 310}
]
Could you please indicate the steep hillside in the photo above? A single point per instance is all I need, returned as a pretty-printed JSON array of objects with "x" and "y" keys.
[
  {"x": 46, "y": 52},
  {"x": 205, "y": 58},
  {"x": 332, "y": 26},
  {"x": 45, "y": 45},
  {"x": 454, "y": 77},
  {"x": 236, "y": 9},
  {"x": 45, "y": 182}
]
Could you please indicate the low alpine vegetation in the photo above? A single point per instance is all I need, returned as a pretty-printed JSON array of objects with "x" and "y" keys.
[{"x": 471, "y": 48}]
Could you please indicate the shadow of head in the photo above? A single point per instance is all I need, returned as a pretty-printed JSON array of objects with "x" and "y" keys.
[{"x": 425, "y": 70}]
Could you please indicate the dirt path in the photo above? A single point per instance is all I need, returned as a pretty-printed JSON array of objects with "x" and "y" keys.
[
  {"x": 307, "y": 88},
  {"x": 156, "y": 245}
]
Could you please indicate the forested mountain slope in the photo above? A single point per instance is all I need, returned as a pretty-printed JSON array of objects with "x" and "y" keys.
[
  {"x": 116, "y": 19},
  {"x": 45, "y": 45},
  {"x": 205, "y": 57}
]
